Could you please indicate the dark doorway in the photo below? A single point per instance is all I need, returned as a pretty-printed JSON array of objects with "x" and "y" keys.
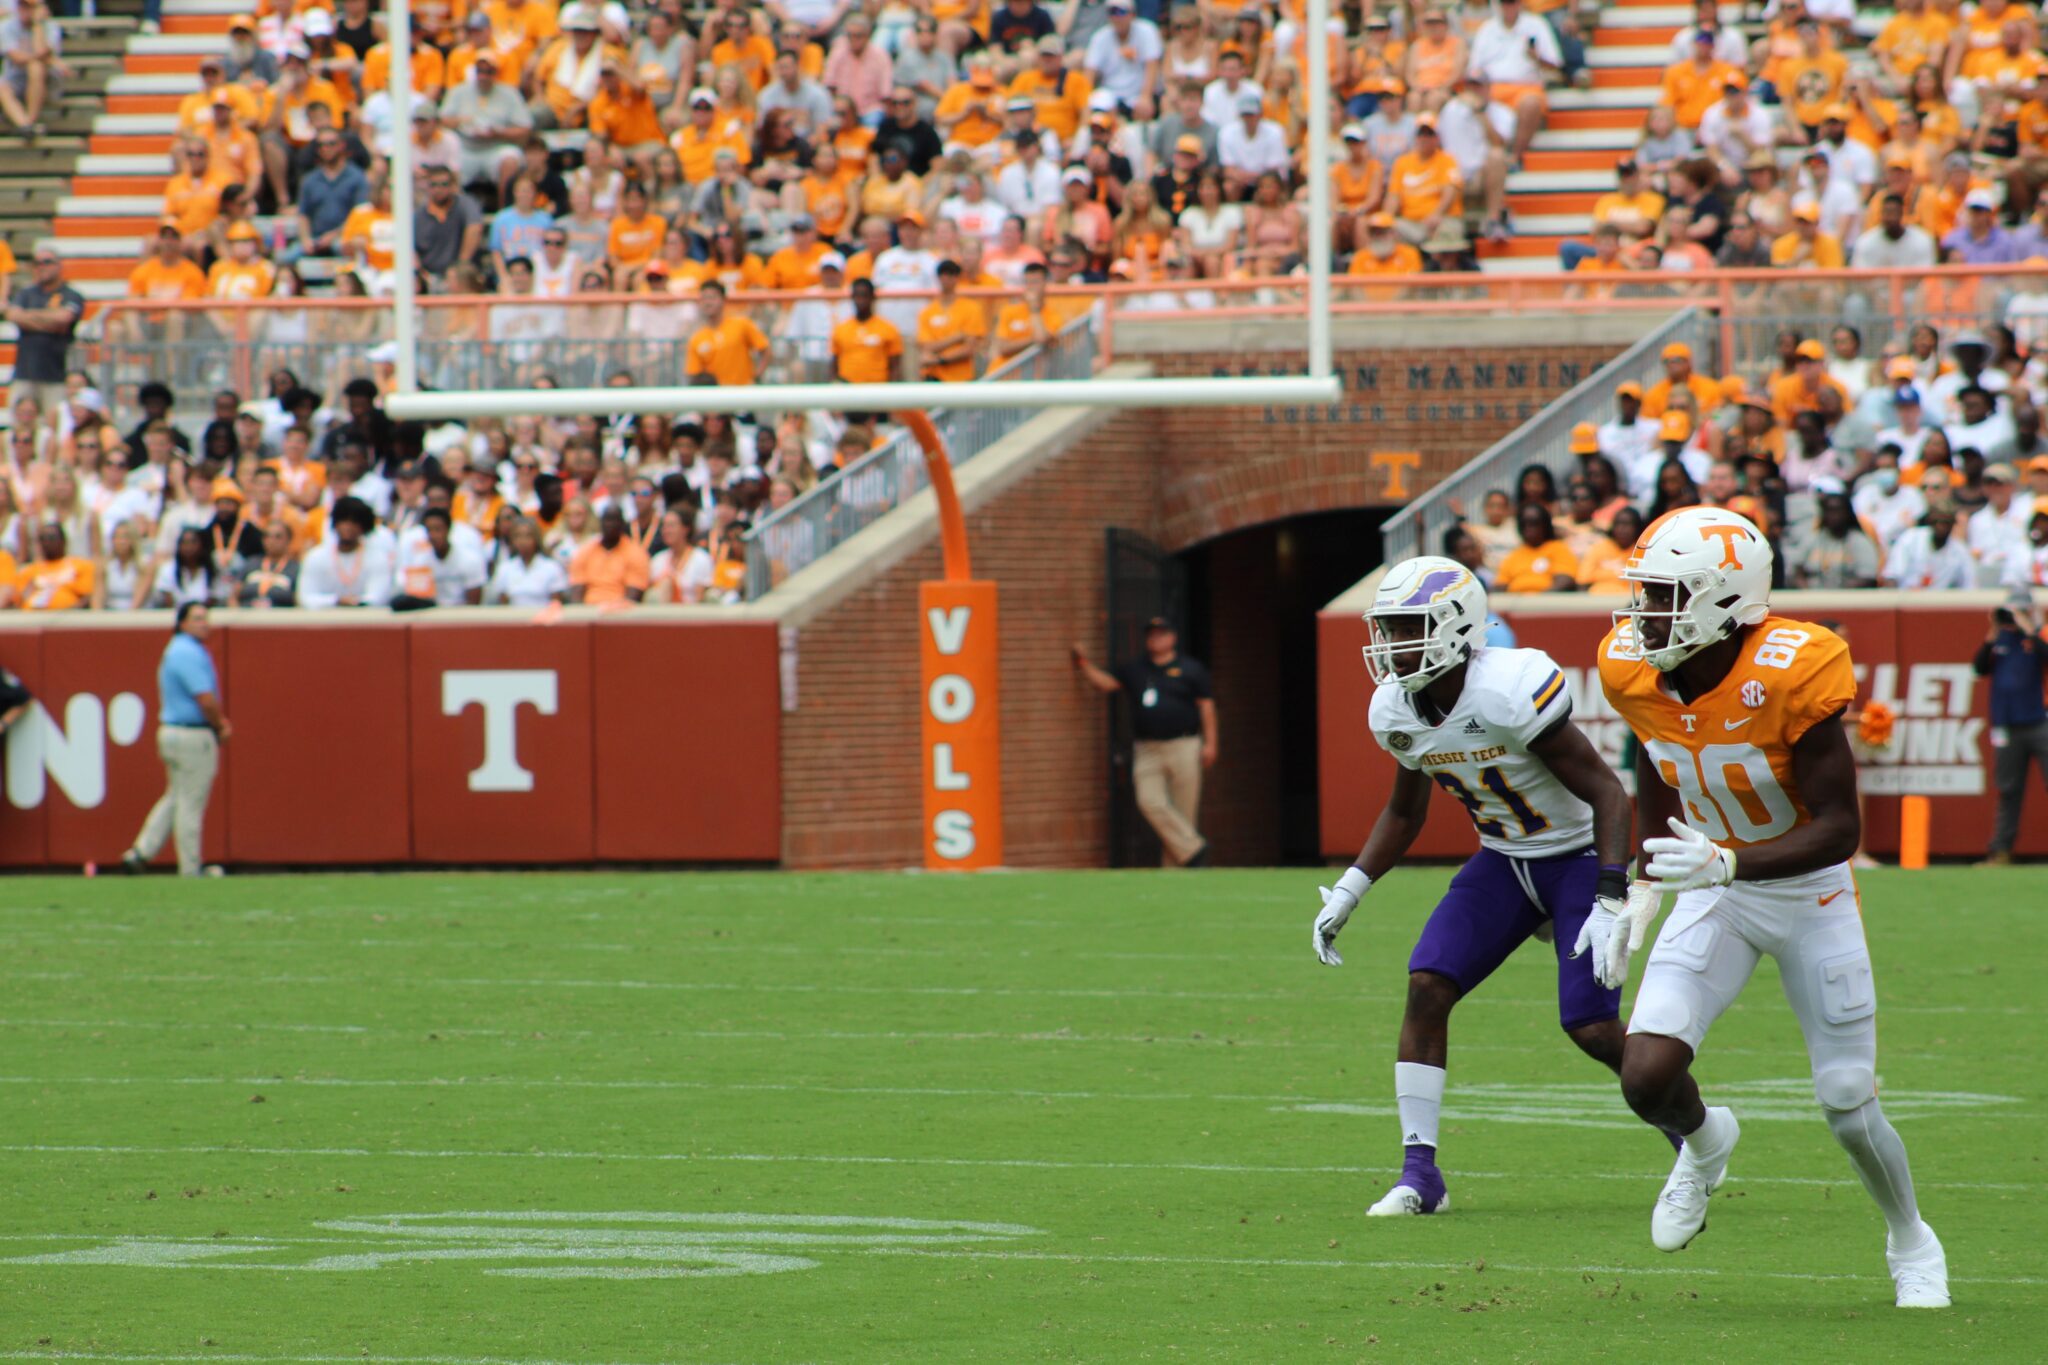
[{"x": 1252, "y": 603}]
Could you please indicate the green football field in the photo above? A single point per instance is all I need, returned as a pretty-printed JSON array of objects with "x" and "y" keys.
[{"x": 1091, "y": 1117}]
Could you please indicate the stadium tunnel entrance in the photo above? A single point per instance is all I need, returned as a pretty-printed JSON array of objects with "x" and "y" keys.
[{"x": 1252, "y": 599}]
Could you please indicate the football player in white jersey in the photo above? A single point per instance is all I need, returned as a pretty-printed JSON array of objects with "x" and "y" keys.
[
  {"x": 1493, "y": 728},
  {"x": 1748, "y": 793}
]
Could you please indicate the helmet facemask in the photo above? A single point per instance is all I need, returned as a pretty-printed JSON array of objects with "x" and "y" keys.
[
  {"x": 1435, "y": 650},
  {"x": 1700, "y": 613}
]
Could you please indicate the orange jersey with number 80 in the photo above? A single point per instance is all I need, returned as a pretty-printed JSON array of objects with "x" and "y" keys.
[{"x": 1728, "y": 754}]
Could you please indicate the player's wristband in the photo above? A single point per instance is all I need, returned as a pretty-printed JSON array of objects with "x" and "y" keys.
[
  {"x": 1354, "y": 883},
  {"x": 1613, "y": 884}
]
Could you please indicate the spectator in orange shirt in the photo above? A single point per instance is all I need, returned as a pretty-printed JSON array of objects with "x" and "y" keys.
[
  {"x": 192, "y": 198},
  {"x": 1542, "y": 562},
  {"x": 57, "y": 581},
  {"x": 1800, "y": 391},
  {"x": 1426, "y": 185},
  {"x": 796, "y": 266},
  {"x": 624, "y": 114},
  {"x": 739, "y": 46},
  {"x": 234, "y": 148},
  {"x": 636, "y": 237},
  {"x": 195, "y": 110},
  {"x": 731, "y": 350},
  {"x": 1693, "y": 86},
  {"x": 1679, "y": 374},
  {"x": 243, "y": 273},
  {"x": 429, "y": 70},
  {"x": 167, "y": 273},
  {"x": 567, "y": 71},
  {"x": 611, "y": 569},
  {"x": 950, "y": 331},
  {"x": 1381, "y": 250},
  {"x": 1030, "y": 321},
  {"x": 866, "y": 349}
]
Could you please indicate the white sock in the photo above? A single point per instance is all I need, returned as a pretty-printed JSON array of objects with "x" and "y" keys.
[
  {"x": 1708, "y": 1145},
  {"x": 1419, "y": 1091},
  {"x": 1879, "y": 1156}
]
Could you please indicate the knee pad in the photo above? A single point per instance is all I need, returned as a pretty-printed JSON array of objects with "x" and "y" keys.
[{"x": 1844, "y": 1089}]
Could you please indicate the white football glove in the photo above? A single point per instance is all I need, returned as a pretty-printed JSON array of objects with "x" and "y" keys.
[
  {"x": 1688, "y": 862},
  {"x": 1597, "y": 933},
  {"x": 1338, "y": 903},
  {"x": 1626, "y": 936}
]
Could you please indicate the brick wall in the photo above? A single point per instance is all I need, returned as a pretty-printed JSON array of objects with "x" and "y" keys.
[
  {"x": 851, "y": 758},
  {"x": 1222, "y": 469}
]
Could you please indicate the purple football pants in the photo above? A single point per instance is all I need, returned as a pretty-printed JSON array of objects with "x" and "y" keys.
[{"x": 1494, "y": 903}]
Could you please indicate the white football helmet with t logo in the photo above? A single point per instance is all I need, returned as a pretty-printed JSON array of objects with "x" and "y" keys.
[
  {"x": 1451, "y": 606},
  {"x": 1717, "y": 565}
]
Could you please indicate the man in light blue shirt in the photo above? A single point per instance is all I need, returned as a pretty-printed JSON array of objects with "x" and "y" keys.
[{"x": 190, "y": 730}]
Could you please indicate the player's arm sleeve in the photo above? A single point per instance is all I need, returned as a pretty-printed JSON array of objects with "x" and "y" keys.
[{"x": 1825, "y": 689}]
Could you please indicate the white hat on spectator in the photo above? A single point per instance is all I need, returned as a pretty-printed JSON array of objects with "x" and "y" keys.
[
  {"x": 1078, "y": 175},
  {"x": 1101, "y": 102},
  {"x": 576, "y": 17},
  {"x": 386, "y": 354},
  {"x": 1980, "y": 199},
  {"x": 1826, "y": 486},
  {"x": 317, "y": 23},
  {"x": 1250, "y": 103},
  {"x": 704, "y": 95},
  {"x": 424, "y": 108},
  {"x": 831, "y": 260},
  {"x": 614, "y": 15}
]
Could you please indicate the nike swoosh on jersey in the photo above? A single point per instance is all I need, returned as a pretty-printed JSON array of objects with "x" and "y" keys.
[
  {"x": 1830, "y": 896},
  {"x": 1737, "y": 724}
]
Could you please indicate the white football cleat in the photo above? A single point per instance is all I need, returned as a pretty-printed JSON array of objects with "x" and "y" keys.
[
  {"x": 1405, "y": 1200},
  {"x": 1921, "y": 1274},
  {"x": 1681, "y": 1210}
]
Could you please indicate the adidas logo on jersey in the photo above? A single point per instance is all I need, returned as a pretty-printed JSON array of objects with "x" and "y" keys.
[{"x": 1473, "y": 727}]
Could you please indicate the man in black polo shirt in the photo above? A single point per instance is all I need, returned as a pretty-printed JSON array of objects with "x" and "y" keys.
[
  {"x": 2015, "y": 658},
  {"x": 46, "y": 312},
  {"x": 1173, "y": 715}
]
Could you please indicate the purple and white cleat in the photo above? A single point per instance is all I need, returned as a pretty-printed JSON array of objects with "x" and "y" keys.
[{"x": 1419, "y": 1190}]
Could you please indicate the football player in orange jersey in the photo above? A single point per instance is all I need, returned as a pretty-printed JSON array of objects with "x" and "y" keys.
[{"x": 1745, "y": 760}]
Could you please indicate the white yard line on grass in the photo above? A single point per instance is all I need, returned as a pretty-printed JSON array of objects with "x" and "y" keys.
[{"x": 814, "y": 1159}]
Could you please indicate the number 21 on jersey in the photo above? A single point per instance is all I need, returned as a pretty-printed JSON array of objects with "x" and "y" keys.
[
  {"x": 1518, "y": 807},
  {"x": 1758, "y": 809}
]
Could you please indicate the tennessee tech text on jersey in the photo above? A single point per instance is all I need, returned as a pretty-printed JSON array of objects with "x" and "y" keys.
[
  {"x": 1728, "y": 753},
  {"x": 1480, "y": 753}
]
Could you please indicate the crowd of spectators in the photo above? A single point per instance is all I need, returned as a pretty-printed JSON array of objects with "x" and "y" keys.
[
  {"x": 1806, "y": 147},
  {"x": 282, "y": 502},
  {"x": 1922, "y": 467},
  {"x": 801, "y": 145}
]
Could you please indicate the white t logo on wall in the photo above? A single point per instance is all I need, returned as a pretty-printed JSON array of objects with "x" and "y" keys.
[
  {"x": 75, "y": 753},
  {"x": 500, "y": 692}
]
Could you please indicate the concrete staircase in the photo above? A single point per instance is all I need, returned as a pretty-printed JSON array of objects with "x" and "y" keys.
[
  {"x": 107, "y": 206},
  {"x": 1571, "y": 163}
]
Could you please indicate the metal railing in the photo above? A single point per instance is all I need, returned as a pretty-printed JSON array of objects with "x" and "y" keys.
[
  {"x": 892, "y": 473},
  {"x": 465, "y": 343},
  {"x": 1545, "y": 439}
]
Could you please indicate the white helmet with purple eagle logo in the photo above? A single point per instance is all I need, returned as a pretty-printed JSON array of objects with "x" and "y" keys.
[{"x": 1450, "y": 606}]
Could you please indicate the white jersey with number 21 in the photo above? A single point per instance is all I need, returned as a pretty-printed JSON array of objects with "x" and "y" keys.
[{"x": 1480, "y": 754}]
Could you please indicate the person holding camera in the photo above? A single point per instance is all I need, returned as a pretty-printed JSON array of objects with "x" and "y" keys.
[{"x": 2015, "y": 658}]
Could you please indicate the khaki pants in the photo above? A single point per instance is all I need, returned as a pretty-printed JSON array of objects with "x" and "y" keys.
[
  {"x": 1168, "y": 777},
  {"x": 191, "y": 758}
]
